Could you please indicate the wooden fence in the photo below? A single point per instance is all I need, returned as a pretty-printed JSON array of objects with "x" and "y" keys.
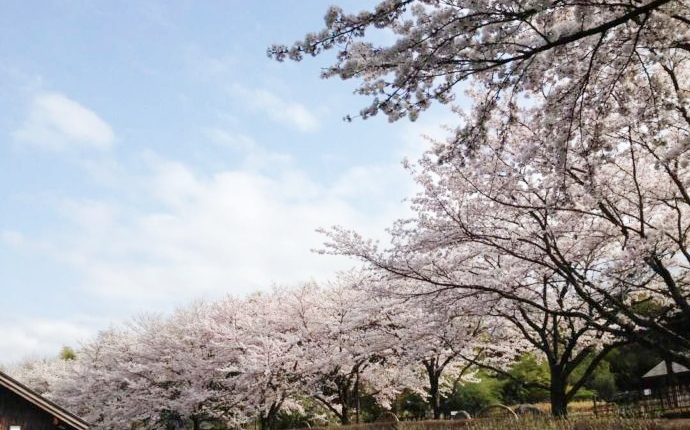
[{"x": 663, "y": 402}]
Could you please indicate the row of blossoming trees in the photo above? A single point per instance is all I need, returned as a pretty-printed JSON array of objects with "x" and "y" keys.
[
  {"x": 561, "y": 200},
  {"x": 241, "y": 360}
]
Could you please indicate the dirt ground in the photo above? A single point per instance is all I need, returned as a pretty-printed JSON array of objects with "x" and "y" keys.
[{"x": 675, "y": 424}]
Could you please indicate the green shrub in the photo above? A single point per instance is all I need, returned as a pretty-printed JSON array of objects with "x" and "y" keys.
[{"x": 473, "y": 397}]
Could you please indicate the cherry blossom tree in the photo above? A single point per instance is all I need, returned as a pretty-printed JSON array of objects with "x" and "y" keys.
[
  {"x": 520, "y": 46},
  {"x": 580, "y": 111},
  {"x": 489, "y": 232},
  {"x": 463, "y": 325},
  {"x": 155, "y": 372},
  {"x": 42, "y": 375},
  {"x": 342, "y": 331},
  {"x": 572, "y": 346},
  {"x": 101, "y": 388},
  {"x": 184, "y": 367},
  {"x": 440, "y": 340},
  {"x": 271, "y": 361}
]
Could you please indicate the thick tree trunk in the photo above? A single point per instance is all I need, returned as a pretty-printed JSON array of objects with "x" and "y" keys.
[
  {"x": 344, "y": 394},
  {"x": 345, "y": 416},
  {"x": 268, "y": 420},
  {"x": 559, "y": 400},
  {"x": 434, "y": 397},
  {"x": 435, "y": 400}
]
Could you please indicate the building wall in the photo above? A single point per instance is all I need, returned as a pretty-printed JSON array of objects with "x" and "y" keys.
[{"x": 16, "y": 411}]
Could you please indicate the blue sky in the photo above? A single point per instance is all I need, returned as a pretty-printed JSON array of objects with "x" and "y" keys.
[{"x": 151, "y": 154}]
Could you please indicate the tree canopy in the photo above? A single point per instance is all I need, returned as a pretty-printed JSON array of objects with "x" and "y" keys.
[{"x": 571, "y": 164}]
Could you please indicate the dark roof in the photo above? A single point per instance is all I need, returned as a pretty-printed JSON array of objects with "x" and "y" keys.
[{"x": 42, "y": 403}]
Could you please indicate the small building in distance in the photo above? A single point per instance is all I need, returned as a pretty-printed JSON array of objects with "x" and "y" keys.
[
  {"x": 659, "y": 375},
  {"x": 669, "y": 383},
  {"x": 23, "y": 409}
]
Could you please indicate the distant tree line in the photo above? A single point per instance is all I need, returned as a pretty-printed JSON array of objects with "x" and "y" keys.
[{"x": 312, "y": 354}]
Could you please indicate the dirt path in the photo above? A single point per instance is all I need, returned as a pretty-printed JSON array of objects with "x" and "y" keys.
[{"x": 675, "y": 424}]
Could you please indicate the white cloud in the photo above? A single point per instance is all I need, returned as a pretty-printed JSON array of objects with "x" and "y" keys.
[
  {"x": 293, "y": 114},
  {"x": 170, "y": 234},
  {"x": 254, "y": 156},
  {"x": 11, "y": 238},
  {"x": 40, "y": 337},
  {"x": 57, "y": 122},
  {"x": 239, "y": 142},
  {"x": 207, "y": 67},
  {"x": 233, "y": 231}
]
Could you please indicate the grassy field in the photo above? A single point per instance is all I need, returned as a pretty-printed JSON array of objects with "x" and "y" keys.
[
  {"x": 574, "y": 408},
  {"x": 531, "y": 423}
]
